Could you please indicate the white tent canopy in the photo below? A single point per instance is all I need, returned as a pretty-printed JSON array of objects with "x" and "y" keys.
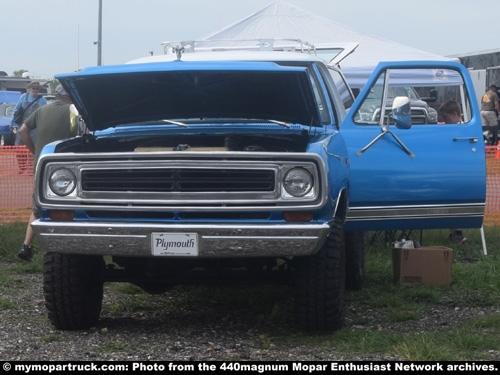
[{"x": 280, "y": 20}]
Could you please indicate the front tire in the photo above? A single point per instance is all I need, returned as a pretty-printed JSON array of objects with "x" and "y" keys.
[
  {"x": 73, "y": 289},
  {"x": 354, "y": 243},
  {"x": 320, "y": 285}
]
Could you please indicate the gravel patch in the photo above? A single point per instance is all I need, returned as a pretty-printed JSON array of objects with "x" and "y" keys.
[{"x": 183, "y": 334}]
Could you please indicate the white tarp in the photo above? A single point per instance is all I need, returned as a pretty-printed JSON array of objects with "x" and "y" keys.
[{"x": 280, "y": 20}]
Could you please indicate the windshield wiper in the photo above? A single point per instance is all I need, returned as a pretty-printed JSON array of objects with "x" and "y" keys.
[
  {"x": 282, "y": 123},
  {"x": 175, "y": 123},
  {"x": 155, "y": 122},
  {"x": 178, "y": 123}
]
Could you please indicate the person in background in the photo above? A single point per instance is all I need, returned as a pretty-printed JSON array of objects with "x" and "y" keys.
[
  {"x": 29, "y": 101},
  {"x": 53, "y": 122},
  {"x": 490, "y": 108},
  {"x": 450, "y": 113}
]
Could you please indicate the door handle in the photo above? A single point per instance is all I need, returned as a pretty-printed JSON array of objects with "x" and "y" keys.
[{"x": 470, "y": 139}]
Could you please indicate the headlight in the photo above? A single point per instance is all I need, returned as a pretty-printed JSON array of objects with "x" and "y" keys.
[
  {"x": 298, "y": 182},
  {"x": 432, "y": 115},
  {"x": 62, "y": 182}
]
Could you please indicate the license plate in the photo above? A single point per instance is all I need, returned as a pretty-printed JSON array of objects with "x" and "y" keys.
[{"x": 174, "y": 244}]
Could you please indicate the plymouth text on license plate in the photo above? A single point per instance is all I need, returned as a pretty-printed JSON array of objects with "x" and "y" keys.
[{"x": 174, "y": 244}]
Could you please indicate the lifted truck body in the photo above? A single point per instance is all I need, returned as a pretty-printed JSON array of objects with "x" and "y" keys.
[{"x": 203, "y": 164}]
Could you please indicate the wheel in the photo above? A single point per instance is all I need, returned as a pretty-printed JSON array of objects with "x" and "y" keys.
[
  {"x": 354, "y": 243},
  {"x": 73, "y": 289},
  {"x": 320, "y": 285}
]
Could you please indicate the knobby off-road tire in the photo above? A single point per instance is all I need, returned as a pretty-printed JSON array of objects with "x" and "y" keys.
[
  {"x": 73, "y": 289},
  {"x": 354, "y": 243},
  {"x": 320, "y": 286}
]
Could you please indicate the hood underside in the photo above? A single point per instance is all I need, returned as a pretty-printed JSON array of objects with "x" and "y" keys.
[{"x": 109, "y": 96}]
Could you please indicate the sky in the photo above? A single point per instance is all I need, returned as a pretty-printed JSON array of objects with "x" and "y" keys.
[{"x": 57, "y": 36}]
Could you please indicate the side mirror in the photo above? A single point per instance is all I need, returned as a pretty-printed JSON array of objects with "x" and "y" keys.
[
  {"x": 401, "y": 112},
  {"x": 433, "y": 95}
]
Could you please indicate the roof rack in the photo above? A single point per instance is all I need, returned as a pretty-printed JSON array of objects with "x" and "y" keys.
[
  {"x": 287, "y": 45},
  {"x": 331, "y": 52}
]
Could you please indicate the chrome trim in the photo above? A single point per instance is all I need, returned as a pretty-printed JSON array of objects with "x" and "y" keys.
[
  {"x": 415, "y": 212},
  {"x": 215, "y": 241},
  {"x": 280, "y": 163}
]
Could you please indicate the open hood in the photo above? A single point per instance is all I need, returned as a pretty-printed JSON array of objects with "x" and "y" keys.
[{"x": 109, "y": 96}]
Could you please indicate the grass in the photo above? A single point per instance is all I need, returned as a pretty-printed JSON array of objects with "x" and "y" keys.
[
  {"x": 476, "y": 283},
  {"x": 11, "y": 238}
]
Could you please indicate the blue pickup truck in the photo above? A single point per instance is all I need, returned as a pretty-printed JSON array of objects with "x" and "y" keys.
[
  {"x": 8, "y": 101},
  {"x": 225, "y": 166}
]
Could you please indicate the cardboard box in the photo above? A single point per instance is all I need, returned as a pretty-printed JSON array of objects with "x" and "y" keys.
[{"x": 431, "y": 265}]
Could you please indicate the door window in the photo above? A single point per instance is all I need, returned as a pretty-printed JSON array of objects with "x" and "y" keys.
[{"x": 426, "y": 89}]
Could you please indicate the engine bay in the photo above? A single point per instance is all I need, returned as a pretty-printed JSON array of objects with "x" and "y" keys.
[{"x": 199, "y": 142}]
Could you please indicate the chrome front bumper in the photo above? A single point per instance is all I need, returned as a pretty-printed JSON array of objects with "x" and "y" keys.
[{"x": 214, "y": 241}]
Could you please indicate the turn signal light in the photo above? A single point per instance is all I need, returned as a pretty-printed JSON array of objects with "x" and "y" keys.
[
  {"x": 61, "y": 215},
  {"x": 298, "y": 216}
]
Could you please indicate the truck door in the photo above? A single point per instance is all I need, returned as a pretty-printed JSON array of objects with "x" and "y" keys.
[{"x": 409, "y": 171}]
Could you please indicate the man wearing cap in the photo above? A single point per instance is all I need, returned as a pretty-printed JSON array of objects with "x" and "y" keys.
[
  {"x": 490, "y": 106},
  {"x": 29, "y": 102},
  {"x": 53, "y": 122}
]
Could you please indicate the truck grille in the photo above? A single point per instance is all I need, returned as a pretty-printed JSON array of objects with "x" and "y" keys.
[
  {"x": 419, "y": 116},
  {"x": 182, "y": 180},
  {"x": 178, "y": 183}
]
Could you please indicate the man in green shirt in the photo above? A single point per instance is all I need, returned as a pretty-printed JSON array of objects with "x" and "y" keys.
[{"x": 53, "y": 122}]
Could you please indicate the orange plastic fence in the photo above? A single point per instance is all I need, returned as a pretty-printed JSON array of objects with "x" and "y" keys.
[
  {"x": 16, "y": 184},
  {"x": 492, "y": 211}
]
